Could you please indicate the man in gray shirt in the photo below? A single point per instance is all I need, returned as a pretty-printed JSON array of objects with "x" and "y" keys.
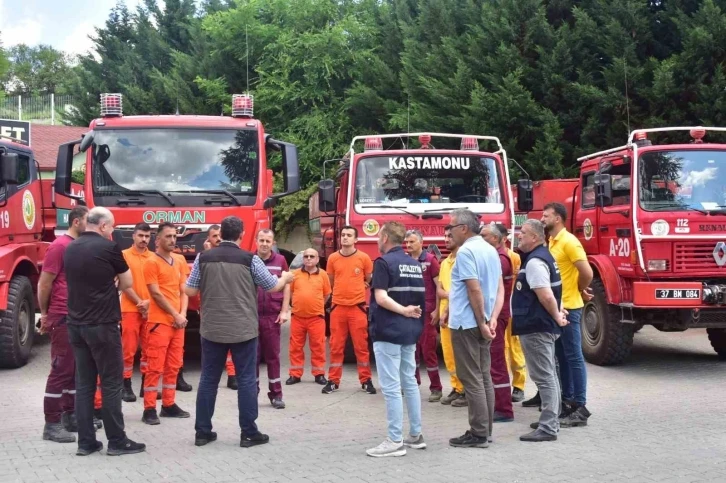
[{"x": 227, "y": 278}]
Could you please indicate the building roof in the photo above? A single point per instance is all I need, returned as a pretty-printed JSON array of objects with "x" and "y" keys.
[{"x": 45, "y": 139}]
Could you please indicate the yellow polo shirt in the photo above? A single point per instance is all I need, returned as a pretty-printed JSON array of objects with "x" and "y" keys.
[
  {"x": 447, "y": 266},
  {"x": 566, "y": 250}
]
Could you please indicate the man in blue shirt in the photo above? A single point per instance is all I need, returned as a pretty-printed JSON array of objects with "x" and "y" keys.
[{"x": 475, "y": 300}]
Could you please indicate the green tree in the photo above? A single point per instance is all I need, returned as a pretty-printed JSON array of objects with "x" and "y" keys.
[{"x": 37, "y": 70}]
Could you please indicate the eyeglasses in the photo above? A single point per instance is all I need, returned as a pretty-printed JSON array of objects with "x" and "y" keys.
[
  {"x": 451, "y": 227},
  {"x": 309, "y": 256}
]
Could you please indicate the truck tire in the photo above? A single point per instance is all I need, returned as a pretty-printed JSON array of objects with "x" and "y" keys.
[
  {"x": 17, "y": 324},
  {"x": 605, "y": 340},
  {"x": 718, "y": 341}
]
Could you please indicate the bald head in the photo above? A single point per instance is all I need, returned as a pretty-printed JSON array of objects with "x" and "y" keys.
[{"x": 100, "y": 220}]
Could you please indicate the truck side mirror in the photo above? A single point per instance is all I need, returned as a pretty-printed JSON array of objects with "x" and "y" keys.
[
  {"x": 603, "y": 190},
  {"x": 9, "y": 168},
  {"x": 326, "y": 195},
  {"x": 290, "y": 170},
  {"x": 63, "y": 169},
  {"x": 525, "y": 199}
]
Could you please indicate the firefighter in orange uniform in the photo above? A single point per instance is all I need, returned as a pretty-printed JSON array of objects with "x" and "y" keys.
[
  {"x": 309, "y": 290},
  {"x": 165, "y": 274}
]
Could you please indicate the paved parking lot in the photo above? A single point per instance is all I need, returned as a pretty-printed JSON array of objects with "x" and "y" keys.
[{"x": 660, "y": 417}]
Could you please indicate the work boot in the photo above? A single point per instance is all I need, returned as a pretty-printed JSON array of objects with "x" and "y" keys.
[
  {"x": 453, "y": 396},
  {"x": 320, "y": 379},
  {"x": 201, "y": 438},
  {"x": 292, "y": 380},
  {"x": 126, "y": 447},
  {"x": 435, "y": 396},
  {"x": 568, "y": 407},
  {"x": 330, "y": 387},
  {"x": 150, "y": 417},
  {"x": 127, "y": 393},
  {"x": 232, "y": 382},
  {"x": 534, "y": 402},
  {"x": 461, "y": 402},
  {"x": 254, "y": 440},
  {"x": 576, "y": 418},
  {"x": 368, "y": 387},
  {"x": 88, "y": 451},
  {"x": 173, "y": 411},
  {"x": 277, "y": 403},
  {"x": 57, "y": 433},
  {"x": 538, "y": 436},
  {"x": 68, "y": 419},
  {"x": 181, "y": 384},
  {"x": 517, "y": 395}
]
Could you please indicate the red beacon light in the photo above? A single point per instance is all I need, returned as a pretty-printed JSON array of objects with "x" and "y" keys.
[
  {"x": 697, "y": 135},
  {"x": 374, "y": 143},
  {"x": 425, "y": 140},
  {"x": 111, "y": 105},
  {"x": 469, "y": 144},
  {"x": 242, "y": 105},
  {"x": 641, "y": 136}
]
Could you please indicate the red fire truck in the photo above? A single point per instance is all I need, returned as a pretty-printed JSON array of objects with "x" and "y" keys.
[
  {"x": 418, "y": 186},
  {"x": 28, "y": 221},
  {"x": 652, "y": 219},
  {"x": 189, "y": 170}
]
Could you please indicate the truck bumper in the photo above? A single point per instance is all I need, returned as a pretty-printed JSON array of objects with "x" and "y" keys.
[{"x": 678, "y": 295}]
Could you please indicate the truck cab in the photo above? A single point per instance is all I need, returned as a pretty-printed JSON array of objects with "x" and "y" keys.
[{"x": 652, "y": 218}]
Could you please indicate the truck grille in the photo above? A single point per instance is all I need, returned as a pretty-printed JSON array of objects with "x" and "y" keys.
[{"x": 695, "y": 256}]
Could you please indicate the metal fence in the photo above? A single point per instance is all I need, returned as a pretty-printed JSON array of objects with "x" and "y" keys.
[{"x": 46, "y": 109}]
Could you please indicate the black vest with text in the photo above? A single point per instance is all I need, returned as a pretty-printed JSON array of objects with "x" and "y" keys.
[{"x": 528, "y": 314}]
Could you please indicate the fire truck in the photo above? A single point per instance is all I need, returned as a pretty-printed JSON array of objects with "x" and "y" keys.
[
  {"x": 189, "y": 170},
  {"x": 417, "y": 186},
  {"x": 652, "y": 218},
  {"x": 29, "y": 218}
]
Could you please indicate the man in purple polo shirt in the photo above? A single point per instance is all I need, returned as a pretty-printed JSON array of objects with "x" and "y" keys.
[
  {"x": 271, "y": 316},
  {"x": 426, "y": 346}
]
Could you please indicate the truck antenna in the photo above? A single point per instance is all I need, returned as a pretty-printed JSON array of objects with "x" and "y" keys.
[
  {"x": 627, "y": 100},
  {"x": 408, "y": 115},
  {"x": 247, "y": 55}
]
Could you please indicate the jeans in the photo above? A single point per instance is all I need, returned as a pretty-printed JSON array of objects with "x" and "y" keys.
[
  {"x": 473, "y": 366},
  {"x": 539, "y": 352},
  {"x": 214, "y": 357},
  {"x": 396, "y": 365},
  {"x": 568, "y": 349},
  {"x": 97, "y": 349}
]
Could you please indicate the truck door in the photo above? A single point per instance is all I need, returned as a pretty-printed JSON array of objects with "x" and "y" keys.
[
  {"x": 586, "y": 221},
  {"x": 616, "y": 234},
  {"x": 21, "y": 217}
]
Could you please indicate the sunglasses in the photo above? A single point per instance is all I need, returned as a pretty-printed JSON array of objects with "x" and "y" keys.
[{"x": 310, "y": 256}]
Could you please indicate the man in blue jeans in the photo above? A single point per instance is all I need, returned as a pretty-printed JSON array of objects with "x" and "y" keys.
[
  {"x": 576, "y": 276},
  {"x": 227, "y": 278},
  {"x": 396, "y": 323}
]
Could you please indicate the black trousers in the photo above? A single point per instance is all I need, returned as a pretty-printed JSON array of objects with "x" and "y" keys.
[{"x": 97, "y": 349}]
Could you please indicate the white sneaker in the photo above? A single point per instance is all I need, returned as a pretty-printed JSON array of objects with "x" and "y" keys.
[
  {"x": 415, "y": 442},
  {"x": 387, "y": 448}
]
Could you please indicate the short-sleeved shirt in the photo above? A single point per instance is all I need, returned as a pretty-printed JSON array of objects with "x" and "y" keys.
[
  {"x": 169, "y": 277},
  {"x": 475, "y": 260},
  {"x": 447, "y": 266},
  {"x": 538, "y": 274},
  {"x": 566, "y": 249},
  {"x": 136, "y": 261},
  {"x": 309, "y": 291},
  {"x": 349, "y": 275},
  {"x": 92, "y": 263},
  {"x": 431, "y": 268},
  {"x": 53, "y": 264}
]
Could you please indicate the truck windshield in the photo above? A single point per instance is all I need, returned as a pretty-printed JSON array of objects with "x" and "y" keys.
[
  {"x": 422, "y": 183},
  {"x": 683, "y": 180},
  {"x": 187, "y": 166}
]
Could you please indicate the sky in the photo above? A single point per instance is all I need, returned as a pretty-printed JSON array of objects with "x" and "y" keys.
[{"x": 64, "y": 24}]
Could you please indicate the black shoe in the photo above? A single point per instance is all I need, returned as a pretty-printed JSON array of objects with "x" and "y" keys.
[
  {"x": 277, "y": 403},
  {"x": 330, "y": 387},
  {"x": 534, "y": 402},
  {"x": 502, "y": 418},
  {"x": 150, "y": 417},
  {"x": 200, "y": 439},
  {"x": 127, "y": 447},
  {"x": 173, "y": 411},
  {"x": 232, "y": 382},
  {"x": 568, "y": 407},
  {"x": 576, "y": 418},
  {"x": 468, "y": 440},
  {"x": 320, "y": 379},
  {"x": 181, "y": 384},
  {"x": 368, "y": 387},
  {"x": 69, "y": 421},
  {"x": 517, "y": 395},
  {"x": 127, "y": 393},
  {"x": 292, "y": 380},
  {"x": 537, "y": 436},
  {"x": 87, "y": 451},
  {"x": 254, "y": 440}
]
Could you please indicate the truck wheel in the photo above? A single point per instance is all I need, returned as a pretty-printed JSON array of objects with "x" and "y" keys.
[
  {"x": 17, "y": 324},
  {"x": 718, "y": 341},
  {"x": 605, "y": 340}
]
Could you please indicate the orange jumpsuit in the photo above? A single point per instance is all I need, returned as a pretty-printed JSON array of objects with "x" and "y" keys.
[
  {"x": 308, "y": 292},
  {"x": 133, "y": 325}
]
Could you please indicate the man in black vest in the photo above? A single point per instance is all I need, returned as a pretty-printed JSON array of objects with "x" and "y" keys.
[
  {"x": 396, "y": 322},
  {"x": 227, "y": 278},
  {"x": 538, "y": 318}
]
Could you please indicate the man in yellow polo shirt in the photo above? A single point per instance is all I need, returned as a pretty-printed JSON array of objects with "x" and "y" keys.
[
  {"x": 576, "y": 276},
  {"x": 456, "y": 397}
]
